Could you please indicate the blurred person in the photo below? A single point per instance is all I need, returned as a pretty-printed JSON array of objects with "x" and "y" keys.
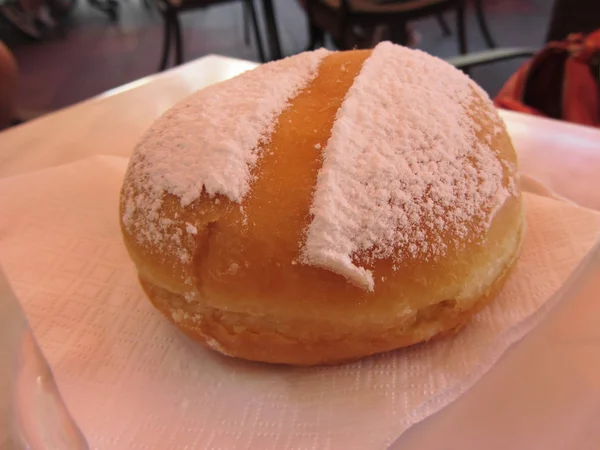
[
  {"x": 8, "y": 86},
  {"x": 23, "y": 15},
  {"x": 35, "y": 18}
]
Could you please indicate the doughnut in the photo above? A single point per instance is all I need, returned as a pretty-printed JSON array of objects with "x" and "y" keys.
[{"x": 325, "y": 207}]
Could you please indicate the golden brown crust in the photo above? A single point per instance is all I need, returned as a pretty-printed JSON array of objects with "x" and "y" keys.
[
  {"x": 244, "y": 290},
  {"x": 313, "y": 342}
]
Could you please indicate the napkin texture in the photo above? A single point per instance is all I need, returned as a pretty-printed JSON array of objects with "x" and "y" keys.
[{"x": 132, "y": 381}]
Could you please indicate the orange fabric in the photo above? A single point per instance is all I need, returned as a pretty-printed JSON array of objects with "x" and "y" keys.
[
  {"x": 537, "y": 89},
  {"x": 580, "y": 105}
]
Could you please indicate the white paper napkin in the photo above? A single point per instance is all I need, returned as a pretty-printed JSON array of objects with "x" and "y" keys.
[{"x": 132, "y": 381}]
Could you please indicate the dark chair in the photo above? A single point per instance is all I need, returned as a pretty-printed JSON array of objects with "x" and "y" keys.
[
  {"x": 170, "y": 10},
  {"x": 342, "y": 18},
  {"x": 575, "y": 16}
]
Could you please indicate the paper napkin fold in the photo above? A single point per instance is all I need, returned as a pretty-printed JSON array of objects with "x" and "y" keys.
[{"x": 132, "y": 381}]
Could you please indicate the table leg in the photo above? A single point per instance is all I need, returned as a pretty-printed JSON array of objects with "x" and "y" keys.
[{"x": 272, "y": 33}]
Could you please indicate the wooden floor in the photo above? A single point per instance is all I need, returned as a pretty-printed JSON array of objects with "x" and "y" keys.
[{"x": 97, "y": 55}]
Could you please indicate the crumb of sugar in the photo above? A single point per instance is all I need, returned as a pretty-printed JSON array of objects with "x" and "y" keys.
[
  {"x": 318, "y": 146},
  {"x": 403, "y": 161},
  {"x": 198, "y": 318},
  {"x": 191, "y": 229},
  {"x": 216, "y": 345},
  {"x": 244, "y": 216},
  {"x": 180, "y": 315},
  {"x": 208, "y": 143}
]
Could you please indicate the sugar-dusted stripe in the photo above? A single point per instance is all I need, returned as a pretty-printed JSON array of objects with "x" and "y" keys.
[
  {"x": 211, "y": 139},
  {"x": 210, "y": 142},
  {"x": 403, "y": 169}
]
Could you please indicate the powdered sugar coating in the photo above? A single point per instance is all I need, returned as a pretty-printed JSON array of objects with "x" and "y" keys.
[
  {"x": 209, "y": 142},
  {"x": 403, "y": 166}
]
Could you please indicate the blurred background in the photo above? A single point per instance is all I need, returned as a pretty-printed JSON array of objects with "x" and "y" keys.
[{"x": 70, "y": 50}]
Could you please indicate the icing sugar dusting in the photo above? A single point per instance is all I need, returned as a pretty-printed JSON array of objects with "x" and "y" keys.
[
  {"x": 208, "y": 142},
  {"x": 403, "y": 166}
]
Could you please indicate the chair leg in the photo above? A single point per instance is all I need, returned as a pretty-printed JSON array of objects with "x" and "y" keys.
[
  {"x": 164, "y": 59},
  {"x": 487, "y": 36},
  {"x": 446, "y": 31},
  {"x": 257, "y": 37},
  {"x": 178, "y": 40},
  {"x": 316, "y": 36},
  {"x": 399, "y": 34},
  {"x": 108, "y": 7},
  {"x": 272, "y": 32},
  {"x": 245, "y": 19},
  {"x": 461, "y": 28}
]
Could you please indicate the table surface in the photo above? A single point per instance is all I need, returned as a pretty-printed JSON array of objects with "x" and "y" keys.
[
  {"x": 562, "y": 156},
  {"x": 556, "y": 157}
]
